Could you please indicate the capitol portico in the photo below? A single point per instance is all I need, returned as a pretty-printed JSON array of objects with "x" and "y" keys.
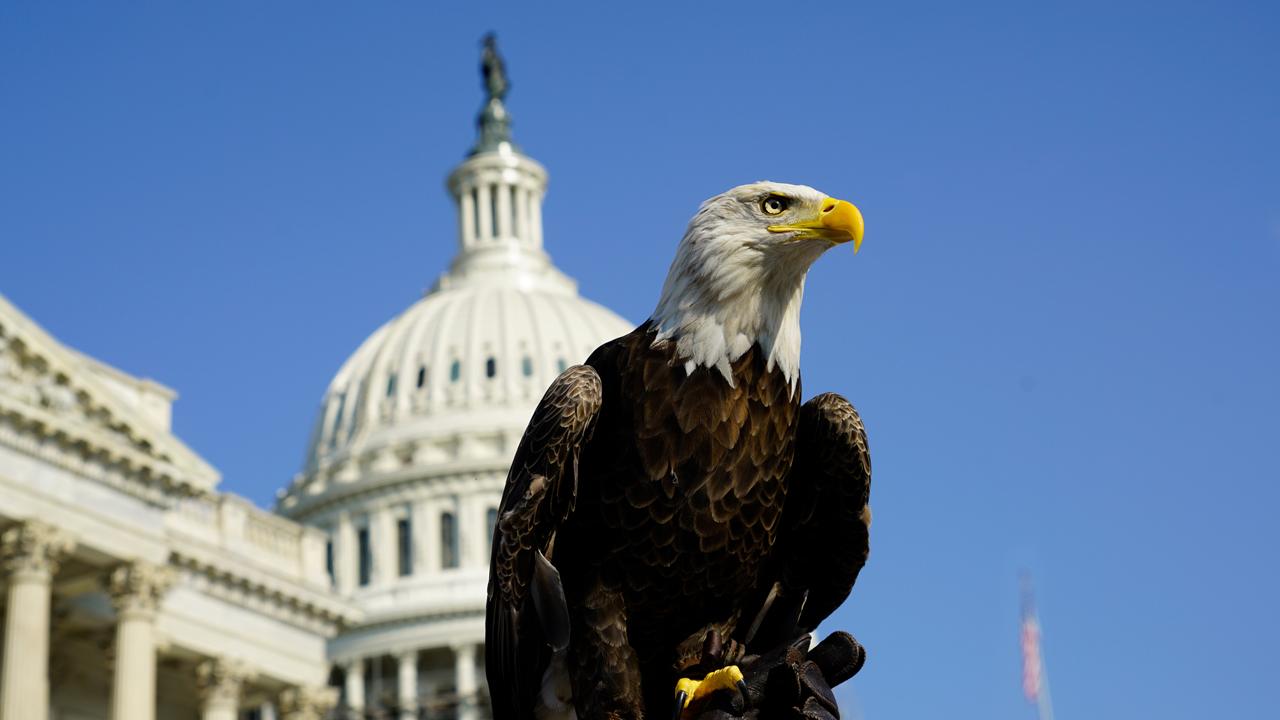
[{"x": 135, "y": 590}]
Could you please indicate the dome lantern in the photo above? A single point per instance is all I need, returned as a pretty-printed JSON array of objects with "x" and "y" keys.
[{"x": 498, "y": 191}]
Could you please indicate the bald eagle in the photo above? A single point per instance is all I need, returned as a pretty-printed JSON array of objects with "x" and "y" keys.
[{"x": 674, "y": 485}]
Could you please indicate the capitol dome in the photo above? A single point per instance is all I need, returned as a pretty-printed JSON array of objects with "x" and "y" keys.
[{"x": 415, "y": 434}]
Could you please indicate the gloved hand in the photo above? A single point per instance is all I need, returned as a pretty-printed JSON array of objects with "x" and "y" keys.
[{"x": 790, "y": 681}]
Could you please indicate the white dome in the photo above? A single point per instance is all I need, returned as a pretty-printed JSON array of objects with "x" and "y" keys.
[
  {"x": 451, "y": 382},
  {"x": 475, "y": 356}
]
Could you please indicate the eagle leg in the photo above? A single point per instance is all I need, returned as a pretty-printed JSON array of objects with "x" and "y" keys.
[{"x": 690, "y": 692}]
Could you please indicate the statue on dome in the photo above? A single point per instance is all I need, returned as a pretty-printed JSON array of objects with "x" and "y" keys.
[
  {"x": 494, "y": 124},
  {"x": 493, "y": 69}
]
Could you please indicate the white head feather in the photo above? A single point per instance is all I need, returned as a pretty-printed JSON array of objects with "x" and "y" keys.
[{"x": 735, "y": 283}]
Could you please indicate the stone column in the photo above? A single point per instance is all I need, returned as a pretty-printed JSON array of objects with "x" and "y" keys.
[
  {"x": 467, "y": 214},
  {"x": 382, "y": 533},
  {"x": 464, "y": 670},
  {"x": 418, "y": 517},
  {"x": 355, "y": 684},
  {"x": 504, "y": 210},
  {"x": 431, "y": 535},
  {"x": 30, "y": 552},
  {"x": 136, "y": 591},
  {"x": 307, "y": 703},
  {"x": 484, "y": 206},
  {"x": 345, "y": 562},
  {"x": 535, "y": 220},
  {"x": 219, "y": 682},
  {"x": 522, "y": 213},
  {"x": 407, "y": 684}
]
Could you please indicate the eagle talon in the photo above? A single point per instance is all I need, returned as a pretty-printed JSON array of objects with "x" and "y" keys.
[
  {"x": 682, "y": 699},
  {"x": 690, "y": 691}
]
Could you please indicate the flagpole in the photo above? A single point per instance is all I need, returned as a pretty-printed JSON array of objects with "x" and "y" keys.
[{"x": 1035, "y": 677}]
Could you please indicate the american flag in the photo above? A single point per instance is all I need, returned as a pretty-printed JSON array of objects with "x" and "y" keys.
[
  {"x": 1030, "y": 657},
  {"x": 1035, "y": 682}
]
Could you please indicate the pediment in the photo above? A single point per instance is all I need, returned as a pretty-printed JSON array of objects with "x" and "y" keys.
[{"x": 52, "y": 391}]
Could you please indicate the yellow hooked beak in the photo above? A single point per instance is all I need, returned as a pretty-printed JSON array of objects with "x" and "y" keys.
[{"x": 838, "y": 221}]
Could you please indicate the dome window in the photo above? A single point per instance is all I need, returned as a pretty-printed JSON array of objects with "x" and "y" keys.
[
  {"x": 404, "y": 538},
  {"x": 391, "y": 385},
  {"x": 448, "y": 540},
  {"x": 455, "y": 371},
  {"x": 491, "y": 367},
  {"x": 365, "y": 556},
  {"x": 422, "y": 376},
  {"x": 526, "y": 366}
]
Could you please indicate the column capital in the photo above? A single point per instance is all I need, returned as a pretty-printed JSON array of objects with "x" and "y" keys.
[
  {"x": 219, "y": 681},
  {"x": 309, "y": 702},
  {"x": 137, "y": 588},
  {"x": 34, "y": 548}
]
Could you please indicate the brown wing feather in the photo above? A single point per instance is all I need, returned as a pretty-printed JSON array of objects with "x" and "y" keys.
[
  {"x": 825, "y": 537},
  {"x": 540, "y": 493}
]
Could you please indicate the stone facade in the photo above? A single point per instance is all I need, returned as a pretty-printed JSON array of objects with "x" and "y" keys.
[{"x": 133, "y": 588}]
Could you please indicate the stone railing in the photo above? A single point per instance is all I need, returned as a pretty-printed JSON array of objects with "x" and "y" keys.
[{"x": 251, "y": 535}]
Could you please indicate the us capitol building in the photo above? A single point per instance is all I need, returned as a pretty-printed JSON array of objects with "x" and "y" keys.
[{"x": 134, "y": 590}]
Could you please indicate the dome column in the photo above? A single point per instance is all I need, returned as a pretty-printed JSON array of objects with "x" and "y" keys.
[
  {"x": 464, "y": 670},
  {"x": 345, "y": 548},
  {"x": 383, "y": 536},
  {"x": 484, "y": 209},
  {"x": 522, "y": 213},
  {"x": 467, "y": 217},
  {"x": 407, "y": 684}
]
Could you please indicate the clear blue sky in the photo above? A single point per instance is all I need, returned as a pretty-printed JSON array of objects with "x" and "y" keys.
[{"x": 1062, "y": 328}]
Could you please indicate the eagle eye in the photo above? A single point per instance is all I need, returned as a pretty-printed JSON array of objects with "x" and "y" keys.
[{"x": 774, "y": 205}]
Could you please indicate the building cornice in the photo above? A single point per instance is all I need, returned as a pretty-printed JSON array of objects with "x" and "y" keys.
[
  {"x": 320, "y": 611},
  {"x": 50, "y": 395}
]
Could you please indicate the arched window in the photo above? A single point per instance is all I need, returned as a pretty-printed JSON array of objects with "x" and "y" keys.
[
  {"x": 455, "y": 371},
  {"x": 561, "y": 365},
  {"x": 491, "y": 367},
  {"x": 526, "y": 366},
  {"x": 448, "y": 540},
  {"x": 391, "y": 384},
  {"x": 422, "y": 376}
]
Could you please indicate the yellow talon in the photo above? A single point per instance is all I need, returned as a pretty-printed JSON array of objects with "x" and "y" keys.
[{"x": 689, "y": 691}]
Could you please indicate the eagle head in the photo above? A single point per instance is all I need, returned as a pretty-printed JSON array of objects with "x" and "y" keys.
[{"x": 738, "y": 275}]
